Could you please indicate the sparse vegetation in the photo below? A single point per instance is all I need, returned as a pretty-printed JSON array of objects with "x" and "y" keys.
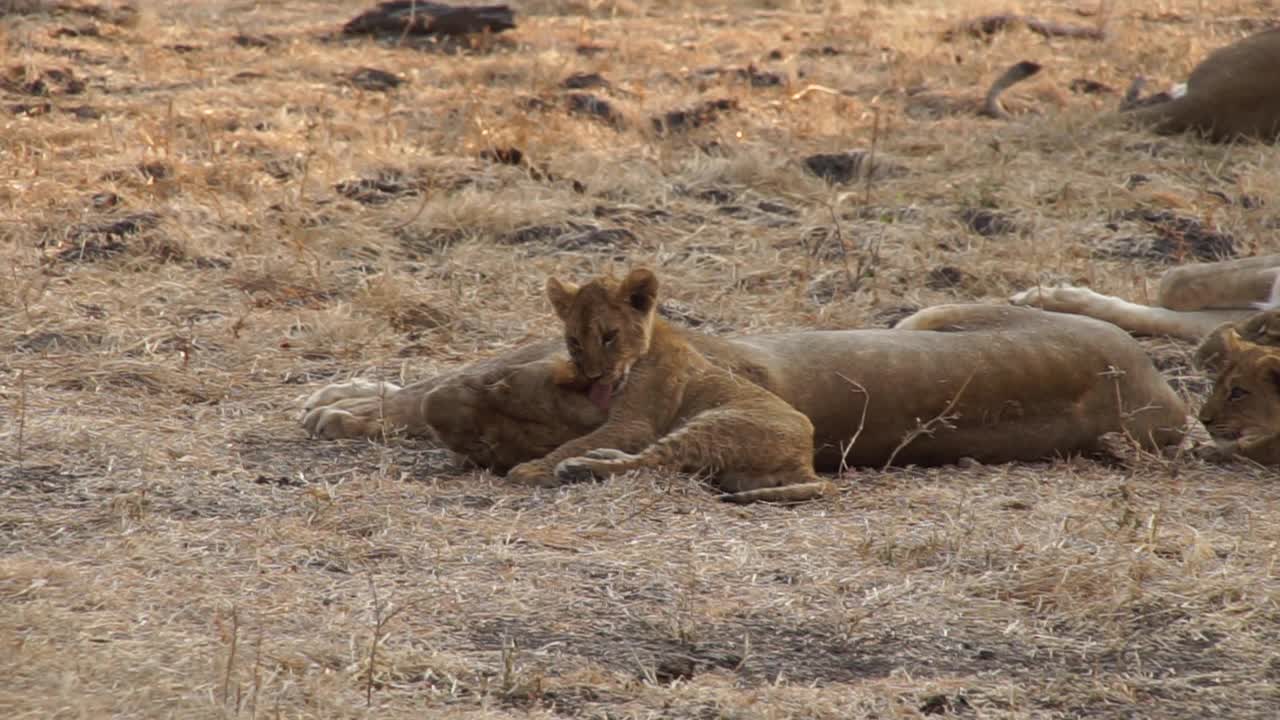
[{"x": 209, "y": 208}]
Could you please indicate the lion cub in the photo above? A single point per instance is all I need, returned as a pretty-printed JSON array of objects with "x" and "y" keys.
[
  {"x": 667, "y": 404},
  {"x": 1242, "y": 413}
]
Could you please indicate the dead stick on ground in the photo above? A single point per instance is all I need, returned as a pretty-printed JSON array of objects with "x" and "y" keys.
[
  {"x": 862, "y": 422},
  {"x": 942, "y": 419},
  {"x": 379, "y": 624},
  {"x": 231, "y": 654},
  {"x": 871, "y": 156},
  {"x": 22, "y": 414}
]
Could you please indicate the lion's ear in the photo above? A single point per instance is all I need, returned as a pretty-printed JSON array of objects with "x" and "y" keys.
[
  {"x": 639, "y": 289},
  {"x": 1232, "y": 343},
  {"x": 1262, "y": 328},
  {"x": 1214, "y": 348},
  {"x": 561, "y": 295},
  {"x": 1270, "y": 367}
]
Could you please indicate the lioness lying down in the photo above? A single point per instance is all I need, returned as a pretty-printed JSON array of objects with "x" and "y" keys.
[
  {"x": 989, "y": 382},
  {"x": 1233, "y": 93},
  {"x": 1233, "y": 309}
]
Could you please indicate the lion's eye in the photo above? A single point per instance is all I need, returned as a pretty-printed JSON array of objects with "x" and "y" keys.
[
  {"x": 609, "y": 337},
  {"x": 574, "y": 345},
  {"x": 1237, "y": 393}
]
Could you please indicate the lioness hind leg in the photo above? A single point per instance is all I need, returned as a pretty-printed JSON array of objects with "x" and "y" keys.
[
  {"x": 356, "y": 409},
  {"x": 1139, "y": 319},
  {"x": 330, "y": 394}
]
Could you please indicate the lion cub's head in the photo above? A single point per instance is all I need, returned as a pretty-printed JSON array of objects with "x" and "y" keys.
[
  {"x": 607, "y": 327},
  {"x": 1245, "y": 402}
]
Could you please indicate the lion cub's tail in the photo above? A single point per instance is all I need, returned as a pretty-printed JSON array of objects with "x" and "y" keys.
[{"x": 800, "y": 492}]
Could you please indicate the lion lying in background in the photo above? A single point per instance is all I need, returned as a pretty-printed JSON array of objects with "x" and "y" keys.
[
  {"x": 1232, "y": 309},
  {"x": 1233, "y": 93},
  {"x": 988, "y": 382}
]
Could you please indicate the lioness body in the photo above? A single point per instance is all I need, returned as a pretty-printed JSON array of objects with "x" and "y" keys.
[
  {"x": 1013, "y": 383},
  {"x": 1232, "y": 309},
  {"x": 1232, "y": 93}
]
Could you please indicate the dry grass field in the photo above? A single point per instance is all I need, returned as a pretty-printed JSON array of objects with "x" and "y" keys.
[{"x": 208, "y": 210}]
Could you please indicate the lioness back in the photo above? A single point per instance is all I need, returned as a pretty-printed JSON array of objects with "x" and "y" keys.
[{"x": 1016, "y": 383}]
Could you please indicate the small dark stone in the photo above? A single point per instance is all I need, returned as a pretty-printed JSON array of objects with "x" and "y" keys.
[
  {"x": 255, "y": 41},
  {"x": 945, "y": 277},
  {"x": 503, "y": 156},
  {"x": 583, "y": 81},
  {"x": 592, "y": 106},
  {"x": 837, "y": 168},
  {"x": 1085, "y": 86},
  {"x": 416, "y": 17},
  {"x": 702, "y": 114},
  {"x": 987, "y": 222},
  {"x": 1135, "y": 180},
  {"x": 374, "y": 80}
]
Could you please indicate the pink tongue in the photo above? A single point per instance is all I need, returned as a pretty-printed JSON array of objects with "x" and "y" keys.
[{"x": 600, "y": 394}]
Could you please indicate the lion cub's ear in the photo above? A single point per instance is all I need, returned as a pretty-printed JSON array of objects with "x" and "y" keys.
[
  {"x": 561, "y": 296},
  {"x": 639, "y": 289},
  {"x": 1217, "y": 346},
  {"x": 1270, "y": 366},
  {"x": 1262, "y": 328}
]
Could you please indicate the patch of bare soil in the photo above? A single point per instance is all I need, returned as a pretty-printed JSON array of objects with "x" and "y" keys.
[{"x": 211, "y": 208}]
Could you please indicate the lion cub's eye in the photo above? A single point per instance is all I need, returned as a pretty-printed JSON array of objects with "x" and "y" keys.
[
  {"x": 609, "y": 337},
  {"x": 574, "y": 345},
  {"x": 1237, "y": 393}
]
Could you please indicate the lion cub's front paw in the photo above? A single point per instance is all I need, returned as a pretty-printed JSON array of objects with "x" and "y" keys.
[
  {"x": 1216, "y": 452},
  {"x": 575, "y": 470},
  {"x": 594, "y": 464},
  {"x": 533, "y": 474},
  {"x": 607, "y": 454}
]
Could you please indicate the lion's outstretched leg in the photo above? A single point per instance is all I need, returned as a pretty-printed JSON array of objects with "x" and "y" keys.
[
  {"x": 368, "y": 409},
  {"x": 732, "y": 441},
  {"x": 1138, "y": 319}
]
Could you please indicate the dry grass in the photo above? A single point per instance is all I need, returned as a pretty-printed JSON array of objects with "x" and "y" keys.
[{"x": 172, "y": 545}]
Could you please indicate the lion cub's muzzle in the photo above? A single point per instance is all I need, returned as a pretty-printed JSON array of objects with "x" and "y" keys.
[{"x": 602, "y": 392}]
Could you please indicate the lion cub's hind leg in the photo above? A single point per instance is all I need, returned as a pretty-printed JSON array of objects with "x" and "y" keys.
[{"x": 763, "y": 451}]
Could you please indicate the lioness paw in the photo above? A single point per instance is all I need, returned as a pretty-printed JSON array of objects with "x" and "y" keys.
[
  {"x": 1065, "y": 298},
  {"x": 337, "y": 392},
  {"x": 333, "y": 424}
]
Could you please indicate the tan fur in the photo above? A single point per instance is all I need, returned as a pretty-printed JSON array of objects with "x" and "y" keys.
[
  {"x": 1242, "y": 413},
  {"x": 1192, "y": 301},
  {"x": 1012, "y": 383},
  {"x": 1233, "y": 93},
  {"x": 669, "y": 406},
  {"x": 1233, "y": 309}
]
